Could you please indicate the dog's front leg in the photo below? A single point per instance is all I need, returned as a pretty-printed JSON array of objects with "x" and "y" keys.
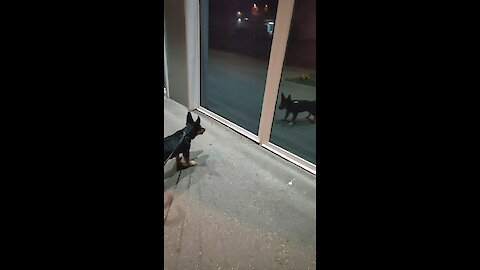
[
  {"x": 179, "y": 164},
  {"x": 188, "y": 160},
  {"x": 287, "y": 113},
  {"x": 293, "y": 119}
]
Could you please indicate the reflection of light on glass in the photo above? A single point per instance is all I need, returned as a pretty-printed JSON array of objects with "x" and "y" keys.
[
  {"x": 254, "y": 5},
  {"x": 239, "y": 20},
  {"x": 266, "y": 6},
  {"x": 239, "y": 13},
  {"x": 269, "y": 28},
  {"x": 246, "y": 18},
  {"x": 270, "y": 22}
]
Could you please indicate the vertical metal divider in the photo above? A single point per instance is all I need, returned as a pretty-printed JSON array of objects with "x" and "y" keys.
[
  {"x": 165, "y": 63},
  {"x": 192, "y": 32},
  {"x": 275, "y": 66}
]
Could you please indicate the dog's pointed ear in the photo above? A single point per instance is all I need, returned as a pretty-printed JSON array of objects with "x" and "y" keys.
[
  {"x": 289, "y": 97},
  {"x": 198, "y": 120},
  {"x": 189, "y": 118}
]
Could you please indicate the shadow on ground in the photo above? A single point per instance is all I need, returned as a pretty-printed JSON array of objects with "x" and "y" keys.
[{"x": 170, "y": 169}]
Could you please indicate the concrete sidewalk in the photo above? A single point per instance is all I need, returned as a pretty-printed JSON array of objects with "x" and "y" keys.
[{"x": 236, "y": 209}]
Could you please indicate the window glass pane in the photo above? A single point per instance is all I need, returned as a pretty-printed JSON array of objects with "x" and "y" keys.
[
  {"x": 236, "y": 37},
  {"x": 298, "y": 85}
]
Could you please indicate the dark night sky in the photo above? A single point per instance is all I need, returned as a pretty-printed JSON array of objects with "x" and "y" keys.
[
  {"x": 251, "y": 38},
  {"x": 223, "y": 8}
]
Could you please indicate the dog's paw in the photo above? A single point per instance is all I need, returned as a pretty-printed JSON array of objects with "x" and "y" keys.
[
  {"x": 291, "y": 123},
  {"x": 192, "y": 163}
]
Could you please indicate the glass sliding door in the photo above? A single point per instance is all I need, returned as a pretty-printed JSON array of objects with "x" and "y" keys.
[
  {"x": 236, "y": 38},
  {"x": 239, "y": 82},
  {"x": 297, "y": 132}
]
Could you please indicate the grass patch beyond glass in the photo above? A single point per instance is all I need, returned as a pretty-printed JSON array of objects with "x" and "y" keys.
[{"x": 307, "y": 79}]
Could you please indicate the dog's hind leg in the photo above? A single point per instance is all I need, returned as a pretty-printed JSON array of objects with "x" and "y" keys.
[{"x": 287, "y": 113}]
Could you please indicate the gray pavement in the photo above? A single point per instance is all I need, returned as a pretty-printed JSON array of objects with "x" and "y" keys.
[{"x": 236, "y": 209}]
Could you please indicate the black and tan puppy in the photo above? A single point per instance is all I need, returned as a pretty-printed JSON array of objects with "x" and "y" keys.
[
  {"x": 298, "y": 106},
  {"x": 188, "y": 133}
]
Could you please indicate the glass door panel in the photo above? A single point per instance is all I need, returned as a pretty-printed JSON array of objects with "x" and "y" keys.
[
  {"x": 236, "y": 38},
  {"x": 297, "y": 133}
]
